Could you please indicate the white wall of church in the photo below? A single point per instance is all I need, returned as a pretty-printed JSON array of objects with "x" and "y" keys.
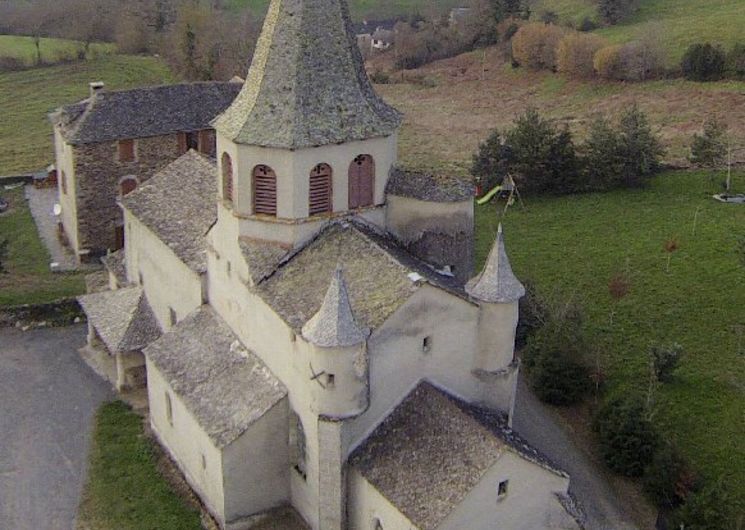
[
  {"x": 292, "y": 167},
  {"x": 167, "y": 281},
  {"x": 366, "y": 506},
  {"x": 408, "y": 218},
  {"x": 65, "y": 162},
  {"x": 530, "y": 502},
  {"x": 255, "y": 466},
  {"x": 193, "y": 451}
]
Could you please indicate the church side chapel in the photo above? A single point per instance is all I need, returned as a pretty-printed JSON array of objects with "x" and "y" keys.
[{"x": 306, "y": 318}]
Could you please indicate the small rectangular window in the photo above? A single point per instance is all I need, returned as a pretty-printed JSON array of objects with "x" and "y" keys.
[
  {"x": 126, "y": 150},
  {"x": 426, "y": 344},
  {"x": 330, "y": 380},
  {"x": 172, "y": 317},
  {"x": 502, "y": 489},
  {"x": 229, "y": 268},
  {"x": 169, "y": 409},
  {"x": 204, "y": 462}
]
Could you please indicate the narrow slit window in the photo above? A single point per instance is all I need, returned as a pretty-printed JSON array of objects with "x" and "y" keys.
[
  {"x": 426, "y": 344},
  {"x": 502, "y": 489},
  {"x": 169, "y": 409}
]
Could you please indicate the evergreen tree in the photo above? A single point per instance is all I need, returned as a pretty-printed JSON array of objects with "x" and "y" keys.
[
  {"x": 710, "y": 148},
  {"x": 602, "y": 158},
  {"x": 640, "y": 147}
]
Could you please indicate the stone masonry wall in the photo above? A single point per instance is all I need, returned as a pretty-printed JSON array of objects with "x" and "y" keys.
[{"x": 98, "y": 174}]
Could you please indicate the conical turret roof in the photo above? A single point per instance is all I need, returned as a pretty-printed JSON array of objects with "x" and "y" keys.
[
  {"x": 496, "y": 283},
  {"x": 334, "y": 326},
  {"x": 307, "y": 84}
]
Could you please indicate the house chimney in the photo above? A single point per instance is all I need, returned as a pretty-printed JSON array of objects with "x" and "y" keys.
[{"x": 96, "y": 88}]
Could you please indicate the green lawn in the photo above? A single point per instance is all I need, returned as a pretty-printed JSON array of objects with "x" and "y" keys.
[
  {"x": 678, "y": 23},
  {"x": 52, "y": 50},
  {"x": 29, "y": 279},
  {"x": 125, "y": 489},
  {"x": 574, "y": 245},
  {"x": 26, "y": 98}
]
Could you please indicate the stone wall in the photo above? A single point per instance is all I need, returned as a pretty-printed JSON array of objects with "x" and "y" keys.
[{"x": 98, "y": 174}]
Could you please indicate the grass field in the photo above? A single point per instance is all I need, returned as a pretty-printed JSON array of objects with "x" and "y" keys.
[
  {"x": 374, "y": 8},
  {"x": 574, "y": 245},
  {"x": 26, "y": 98},
  {"x": 442, "y": 128},
  {"x": 52, "y": 50},
  {"x": 125, "y": 490},
  {"x": 678, "y": 23},
  {"x": 28, "y": 279}
]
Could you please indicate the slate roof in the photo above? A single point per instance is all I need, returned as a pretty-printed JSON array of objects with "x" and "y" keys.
[
  {"x": 143, "y": 112},
  {"x": 114, "y": 263},
  {"x": 380, "y": 276},
  {"x": 429, "y": 453},
  {"x": 334, "y": 326},
  {"x": 225, "y": 386},
  {"x": 261, "y": 257},
  {"x": 122, "y": 318},
  {"x": 496, "y": 283},
  {"x": 179, "y": 205},
  {"x": 429, "y": 187},
  {"x": 307, "y": 84}
]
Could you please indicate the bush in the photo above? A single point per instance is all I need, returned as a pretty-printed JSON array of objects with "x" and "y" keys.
[
  {"x": 491, "y": 162},
  {"x": 549, "y": 17},
  {"x": 736, "y": 62},
  {"x": 554, "y": 357},
  {"x": 614, "y": 11},
  {"x": 575, "y": 53},
  {"x": 602, "y": 158},
  {"x": 643, "y": 59},
  {"x": 667, "y": 480},
  {"x": 706, "y": 508},
  {"x": 664, "y": 361},
  {"x": 607, "y": 63},
  {"x": 640, "y": 148},
  {"x": 534, "y": 313},
  {"x": 703, "y": 62},
  {"x": 626, "y": 437},
  {"x": 709, "y": 149},
  {"x": 587, "y": 24},
  {"x": 534, "y": 46},
  {"x": 380, "y": 77}
]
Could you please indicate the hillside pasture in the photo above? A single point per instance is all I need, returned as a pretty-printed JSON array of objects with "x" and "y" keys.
[{"x": 52, "y": 50}]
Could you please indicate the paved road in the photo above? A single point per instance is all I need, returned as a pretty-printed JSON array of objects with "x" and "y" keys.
[
  {"x": 48, "y": 397},
  {"x": 533, "y": 421}
]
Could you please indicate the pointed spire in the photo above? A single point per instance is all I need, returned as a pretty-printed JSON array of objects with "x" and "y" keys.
[
  {"x": 334, "y": 325},
  {"x": 496, "y": 283},
  {"x": 307, "y": 84}
]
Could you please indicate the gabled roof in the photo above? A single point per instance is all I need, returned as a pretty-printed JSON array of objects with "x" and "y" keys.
[
  {"x": 114, "y": 263},
  {"x": 225, "y": 386},
  {"x": 380, "y": 275},
  {"x": 429, "y": 453},
  {"x": 496, "y": 283},
  {"x": 143, "y": 112},
  {"x": 429, "y": 187},
  {"x": 307, "y": 84},
  {"x": 334, "y": 325},
  {"x": 179, "y": 204},
  {"x": 122, "y": 318}
]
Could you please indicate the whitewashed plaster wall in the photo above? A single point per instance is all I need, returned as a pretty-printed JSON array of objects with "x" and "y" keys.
[
  {"x": 65, "y": 162},
  {"x": 367, "y": 506}
]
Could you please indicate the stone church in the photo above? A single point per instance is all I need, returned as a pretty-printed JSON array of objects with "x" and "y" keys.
[{"x": 304, "y": 315}]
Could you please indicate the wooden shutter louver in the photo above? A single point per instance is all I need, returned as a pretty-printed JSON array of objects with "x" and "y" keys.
[
  {"x": 361, "y": 182},
  {"x": 128, "y": 185},
  {"x": 126, "y": 150},
  {"x": 320, "y": 190},
  {"x": 264, "y": 191},
  {"x": 227, "y": 177}
]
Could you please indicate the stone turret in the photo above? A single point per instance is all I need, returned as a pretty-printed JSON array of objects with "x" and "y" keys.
[
  {"x": 307, "y": 137},
  {"x": 337, "y": 355},
  {"x": 498, "y": 292}
]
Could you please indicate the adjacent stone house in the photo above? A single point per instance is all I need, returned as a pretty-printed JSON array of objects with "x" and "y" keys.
[
  {"x": 108, "y": 144},
  {"x": 322, "y": 342}
]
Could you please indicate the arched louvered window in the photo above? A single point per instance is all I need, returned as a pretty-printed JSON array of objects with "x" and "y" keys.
[
  {"x": 227, "y": 177},
  {"x": 361, "y": 182},
  {"x": 127, "y": 185},
  {"x": 320, "y": 196},
  {"x": 264, "y": 190}
]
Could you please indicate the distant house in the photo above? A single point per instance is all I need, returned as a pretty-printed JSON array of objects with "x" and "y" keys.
[
  {"x": 109, "y": 144},
  {"x": 458, "y": 16},
  {"x": 383, "y": 39},
  {"x": 375, "y": 35}
]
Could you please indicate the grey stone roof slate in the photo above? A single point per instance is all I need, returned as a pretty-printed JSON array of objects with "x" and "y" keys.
[
  {"x": 380, "y": 275},
  {"x": 143, "y": 112},
  {"x": 496, "y": 283},
  {"x": 114, "y": 263},
  {"x": 432, "y": 450},
  {"x": 334, "y": 325},
  {"x": 122, "y": 318},
  {"x": 262, "y": 258},
  {"x": 429, "y": 187},
  {"x": 179, "y": 204},
  {"x": 225, "y": 386},
  {"x": 307, "y": 84}
]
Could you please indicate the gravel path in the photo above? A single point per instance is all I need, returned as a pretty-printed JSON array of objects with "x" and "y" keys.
[
  {"x": 49, "y": 397},
  {"x": 41, "y": 202}
]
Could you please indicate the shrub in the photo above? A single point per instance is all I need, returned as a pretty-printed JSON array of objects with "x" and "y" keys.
[
  {"x": 491, "y": 162},
  {"x": 640, "y": 148},
  {"x": 626, "y": 437},
  {"x": 602, "y": 159},
  {"x": 667, "y": 479},
  {"x": 643, "y": 59},
  {"x": 709, "y": 149},
  {"x": 549, "y": 17},
  {"x": 614, "y": 11},
  {"x": 608, "y": 64},
  {"x": 554, "y": 357},
  {"x": 534, "y": 313},
  {"x": 534, "y": 46},
  {"x": 380, "y": 77},
  {"x": 575, "y": 53},
  {"x": 703, "y": 62},
  {"x": 664, "y": 361},
  {"x": 706, "y": 508},
  {"x": 736, "y": 62},
  {"x": 587, "y": 24}
]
